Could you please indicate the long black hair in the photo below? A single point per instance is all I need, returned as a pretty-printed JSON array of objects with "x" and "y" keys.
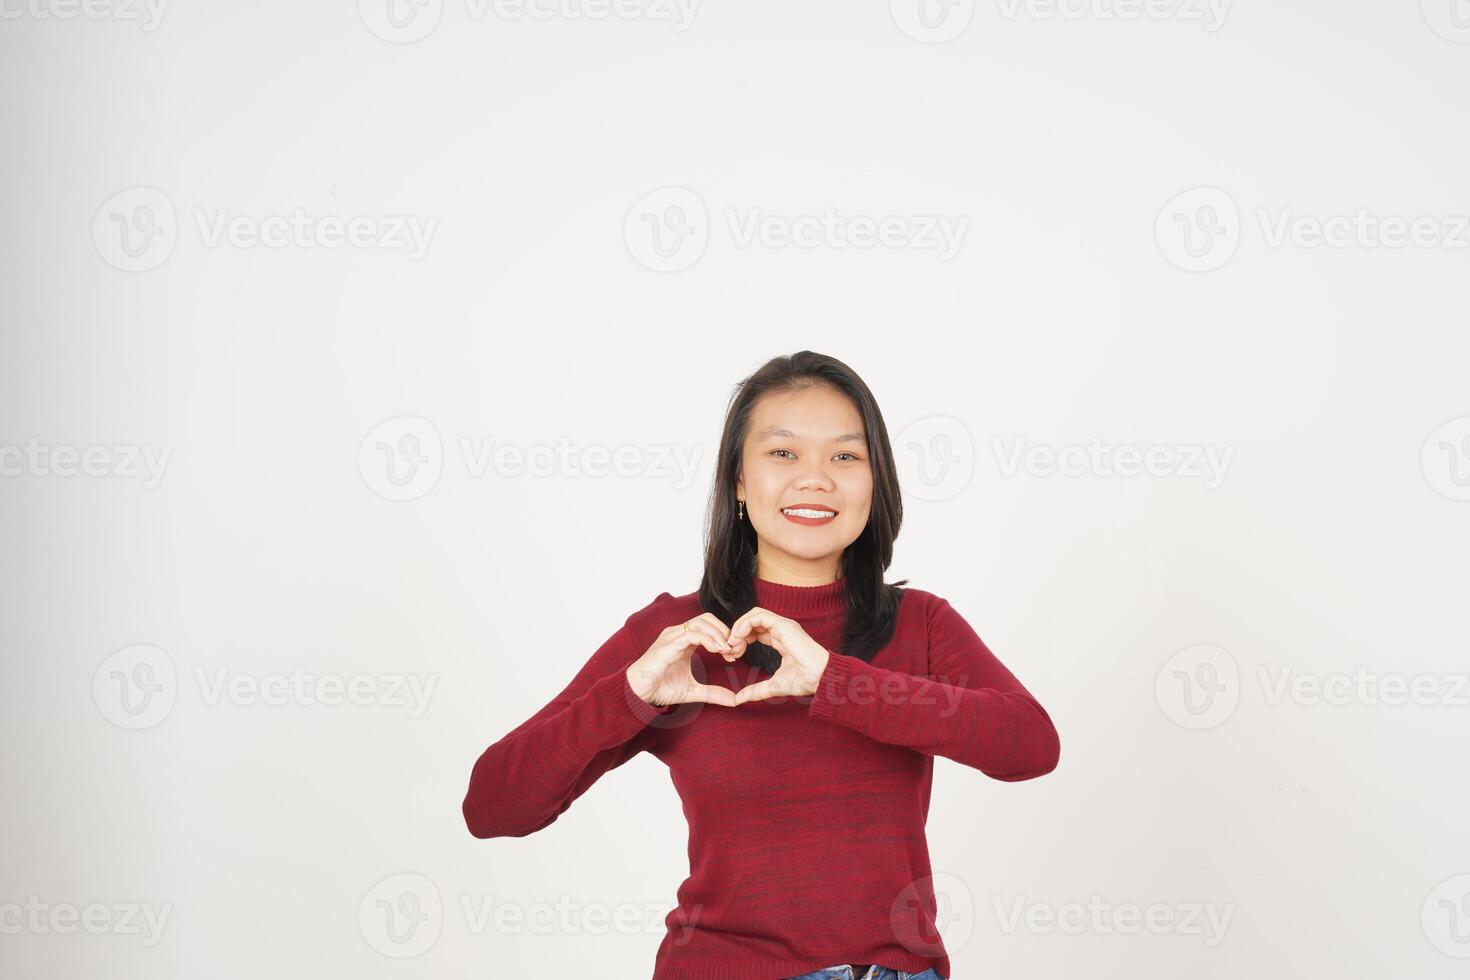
[{"x": 728, "y": 586}]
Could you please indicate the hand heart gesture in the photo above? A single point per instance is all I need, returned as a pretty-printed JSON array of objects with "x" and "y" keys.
[{"x": 802, "y": 659}]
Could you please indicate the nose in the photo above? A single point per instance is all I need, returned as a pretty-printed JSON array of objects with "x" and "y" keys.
[{"x": 815, "y": 479}]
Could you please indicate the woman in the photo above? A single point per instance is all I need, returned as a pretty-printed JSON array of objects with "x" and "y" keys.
[{"x": 798, "y": 701}]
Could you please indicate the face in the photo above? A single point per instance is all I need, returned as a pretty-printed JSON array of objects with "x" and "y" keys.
[{"x": 805, "y": 447}]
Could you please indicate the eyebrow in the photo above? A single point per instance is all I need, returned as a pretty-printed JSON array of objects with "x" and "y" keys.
[{"x": 788, "y": 434}]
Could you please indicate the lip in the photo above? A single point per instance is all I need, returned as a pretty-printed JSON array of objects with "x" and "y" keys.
[{"x": 811, "y": 521}]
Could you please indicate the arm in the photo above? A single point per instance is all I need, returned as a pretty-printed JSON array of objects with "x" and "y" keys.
[
  {"x": 530, "y": 777},
  {"x": 975, "y": 711}
]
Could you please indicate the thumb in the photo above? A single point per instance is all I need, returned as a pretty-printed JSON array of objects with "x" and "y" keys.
[
  {"x": 758, "y": 692},
  {"x": 710, "y": 694}
]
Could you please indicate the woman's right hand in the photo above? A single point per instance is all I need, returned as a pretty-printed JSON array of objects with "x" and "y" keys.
[{"x": 663, "y": 676}]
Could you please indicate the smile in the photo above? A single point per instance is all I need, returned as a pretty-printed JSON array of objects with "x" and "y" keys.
[{"x": 809, "y": 515}]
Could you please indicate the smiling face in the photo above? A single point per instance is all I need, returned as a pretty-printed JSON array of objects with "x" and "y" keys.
[{"x": 805, "y": 447}]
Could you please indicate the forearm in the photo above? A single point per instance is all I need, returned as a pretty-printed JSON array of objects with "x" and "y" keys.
[
  {"x": 1004, "y": 733},
  {"x": 527, "y": 779}
]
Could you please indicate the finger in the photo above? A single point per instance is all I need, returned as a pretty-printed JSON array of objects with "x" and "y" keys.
[
  {"x": 716, "y": 622},
  {"x": 700, "y": 633},
  {"x": 755, "y": 636},
  {"x": 756, "y": 692},
  {"x": 711, "y": 694},
  {"x": 707, "y": 619},
  {"x": 738, "y": 646},
  {"x": 729, "y": 650},
  {"x": 757, "y": 619},
  {"x": 741, "y": 646}
]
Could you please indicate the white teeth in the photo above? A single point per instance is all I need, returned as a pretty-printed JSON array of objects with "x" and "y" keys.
[{"x": 803, "y": 512}]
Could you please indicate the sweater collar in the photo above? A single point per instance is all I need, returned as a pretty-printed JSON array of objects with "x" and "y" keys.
[{"x": 802, "y": 601}]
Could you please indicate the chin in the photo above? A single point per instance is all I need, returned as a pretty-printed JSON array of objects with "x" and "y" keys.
[{"x": 813, "y": 551}]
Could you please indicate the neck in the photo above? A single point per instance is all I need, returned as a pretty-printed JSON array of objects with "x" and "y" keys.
[{"x": 798, "y": 573}]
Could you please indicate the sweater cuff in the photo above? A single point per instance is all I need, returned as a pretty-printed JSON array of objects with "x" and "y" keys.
[{"x": 833, "y": 687}]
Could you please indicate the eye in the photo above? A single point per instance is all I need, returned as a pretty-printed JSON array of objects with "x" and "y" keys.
[{"x": 774, "y": 451}]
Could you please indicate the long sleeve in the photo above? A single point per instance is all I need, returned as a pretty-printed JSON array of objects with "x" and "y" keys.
[
  {"x": 970, "y": 708},
  {"x": 530, "y": 777}
]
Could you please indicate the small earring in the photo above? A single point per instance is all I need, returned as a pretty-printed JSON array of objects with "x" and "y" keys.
[{"x": 742, "y": 510}]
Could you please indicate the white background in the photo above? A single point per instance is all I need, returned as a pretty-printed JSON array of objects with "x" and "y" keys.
[{"x": 1072, "y": 147}]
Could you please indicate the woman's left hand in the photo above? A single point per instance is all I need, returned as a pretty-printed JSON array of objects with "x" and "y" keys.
[{"x": 802, "y": 659}]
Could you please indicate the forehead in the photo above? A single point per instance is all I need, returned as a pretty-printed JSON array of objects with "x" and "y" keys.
[{"x": 812, "y": 415}]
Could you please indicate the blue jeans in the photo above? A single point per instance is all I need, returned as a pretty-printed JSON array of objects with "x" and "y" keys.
[{"x": 844, "y": 972}]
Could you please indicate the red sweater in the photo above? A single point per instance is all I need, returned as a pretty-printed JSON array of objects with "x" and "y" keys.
[{"x": 806, "y": 814}]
